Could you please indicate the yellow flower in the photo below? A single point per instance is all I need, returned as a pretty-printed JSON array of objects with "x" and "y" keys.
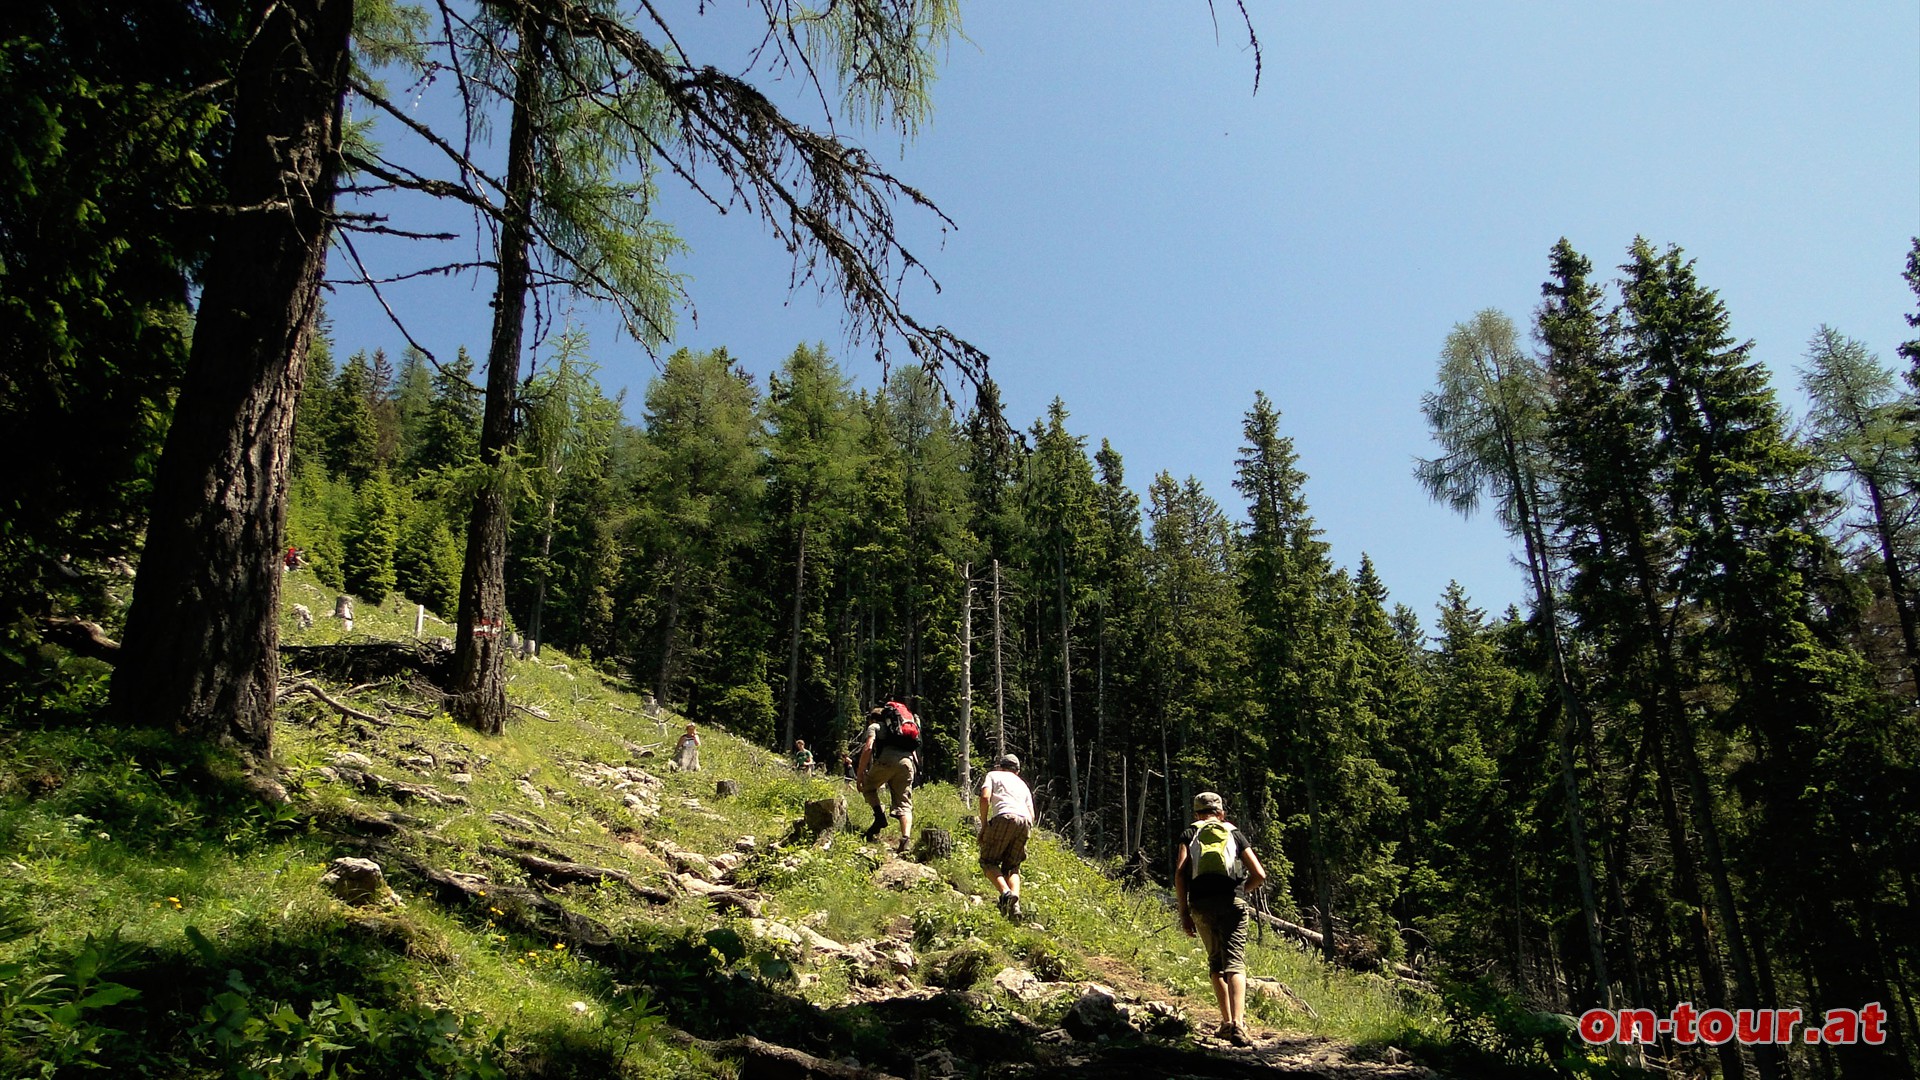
[{"x": 559, "y": 944}]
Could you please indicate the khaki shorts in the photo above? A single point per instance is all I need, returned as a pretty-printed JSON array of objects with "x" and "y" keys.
[
  {"x": 1222, "y": 925},
  {"x": 1003, "y": 843},
  {"x": 897, "y": 778}
]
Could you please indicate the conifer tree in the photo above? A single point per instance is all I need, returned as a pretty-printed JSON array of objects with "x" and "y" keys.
[
  {"x": 373, "y": 539},
  {"x": 353, "y": 449}
]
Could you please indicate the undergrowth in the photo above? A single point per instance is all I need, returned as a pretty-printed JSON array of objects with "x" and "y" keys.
[{"x": 158, "y": 920}]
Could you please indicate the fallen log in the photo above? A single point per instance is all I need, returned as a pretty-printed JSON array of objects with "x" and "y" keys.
[
  {"x": 82, "y": 638},
  {"x": 1313, "y": 938},
  {"x": 305, "y": 686},
  {"x": 760, "y": 1060}
]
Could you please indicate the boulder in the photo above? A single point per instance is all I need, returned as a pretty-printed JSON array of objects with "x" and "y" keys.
[
  {"x": 819, "y": 942},
  {"x": 826, "y": 815},
  {"x": 726, "y": 789},
  {"x": 904, "y": 875},
  {"x": 532, "y": 793},
  {"x": 303, "y": 615},
  {"x": 357, "y": 882},
  {"x": 1019, "y": 983},
  {"x": 1096, "y": 1012}
]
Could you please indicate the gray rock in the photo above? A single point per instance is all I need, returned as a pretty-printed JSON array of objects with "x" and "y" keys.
[
  {"x": 358, "y": 881},
  {"x": 1094, "y": 1014}
]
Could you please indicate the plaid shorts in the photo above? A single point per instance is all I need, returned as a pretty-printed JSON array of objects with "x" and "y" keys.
[{"x": 1003, "y": 843}]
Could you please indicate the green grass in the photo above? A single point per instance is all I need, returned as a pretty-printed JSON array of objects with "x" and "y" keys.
[{"x": 132, "y": 862}]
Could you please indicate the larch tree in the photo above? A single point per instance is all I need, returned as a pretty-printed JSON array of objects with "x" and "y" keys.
[
  {"x": 201, "y": 646},
  {"x": 1489, "y": 416}
]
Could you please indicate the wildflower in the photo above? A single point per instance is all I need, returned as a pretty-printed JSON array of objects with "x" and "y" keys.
[{"x": 560, "y": 945}]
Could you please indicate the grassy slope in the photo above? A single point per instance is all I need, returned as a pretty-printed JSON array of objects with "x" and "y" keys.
[{"x": 126, "y": 856}]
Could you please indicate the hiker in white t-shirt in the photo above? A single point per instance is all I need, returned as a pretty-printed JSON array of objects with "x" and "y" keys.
[{"x": 1006, "y": 816}]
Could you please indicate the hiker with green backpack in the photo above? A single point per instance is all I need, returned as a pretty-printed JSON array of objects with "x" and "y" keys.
[{"x": 1210, "y": 865}]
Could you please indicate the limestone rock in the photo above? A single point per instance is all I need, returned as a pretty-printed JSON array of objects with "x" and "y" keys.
[
  {"x": 1018, "y": 983},
  {"x": 904, "y": 875},
  {"x": 532, "y": 793},
  {"x": 350, "y": 760},
  {"x": 768, "y": 930},
  {"x": 358, "y": 881},
  {"x": 725, "y": 789},
  {"x": 303, "y": 615},
  {"x": 819, "y": 942}
]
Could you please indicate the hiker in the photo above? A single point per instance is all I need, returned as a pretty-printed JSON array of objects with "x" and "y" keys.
[
  {"x": 846, "y": 765},
  {"x": 686, "y": 753},
  {"x": 1006, "y": 820},
  {"x": 294, "y": 559},
  {"x": 1210, "y": 865},
  {"x": 802, "y": 757},
  {"x": 889, "y": 751}
]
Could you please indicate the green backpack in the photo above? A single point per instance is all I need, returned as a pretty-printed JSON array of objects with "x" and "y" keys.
[{"x": 1212, "y": 850}]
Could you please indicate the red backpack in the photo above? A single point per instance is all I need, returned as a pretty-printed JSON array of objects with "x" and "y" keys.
[{"x": 902, "y": 727}]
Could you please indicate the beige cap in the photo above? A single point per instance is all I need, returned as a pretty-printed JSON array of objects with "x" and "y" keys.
[{"x": 1208, "y": 802}]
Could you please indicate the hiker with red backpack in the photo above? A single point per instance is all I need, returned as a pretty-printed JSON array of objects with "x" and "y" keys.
[
  {"x": 889, "y": 754},
  {"x": 1211, "y": 863}
]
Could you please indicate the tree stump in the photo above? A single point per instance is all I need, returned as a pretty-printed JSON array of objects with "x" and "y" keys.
[
  {"x": 826, "y": 815},
  {"x": 726, "y": 789},
  {"x": 932, "y": 844}
]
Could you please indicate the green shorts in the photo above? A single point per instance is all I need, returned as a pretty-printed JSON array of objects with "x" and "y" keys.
[{"x": 1222, "y": 925}]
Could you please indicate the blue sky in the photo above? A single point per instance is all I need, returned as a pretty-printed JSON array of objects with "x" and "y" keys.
[{"x": 1141, "y": 234}]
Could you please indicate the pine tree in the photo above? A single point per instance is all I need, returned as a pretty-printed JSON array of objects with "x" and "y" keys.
[
  {"x": 353, "y": 447},
  {"x": 373, "y": 539},
  {"x": 449, "y": 434}
]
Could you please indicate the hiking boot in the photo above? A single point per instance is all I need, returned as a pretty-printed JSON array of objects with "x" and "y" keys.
[
  {"x": 903, "y": 846},
  {"x": 1224, "y": 1032},
  {"x": 1013, "y": 906},
  {"x": 873, "y": 831},
  {"x": 1002, "y": 904},
  {"x": 1238, "y": 1035}
]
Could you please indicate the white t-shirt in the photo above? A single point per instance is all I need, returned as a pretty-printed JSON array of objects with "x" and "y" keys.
[{"x": 1007, "y": 794}]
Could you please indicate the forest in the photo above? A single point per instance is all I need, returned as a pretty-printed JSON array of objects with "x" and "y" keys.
[{"x": 1684, "y": 771}]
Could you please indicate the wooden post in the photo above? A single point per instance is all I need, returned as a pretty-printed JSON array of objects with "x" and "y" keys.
[{"x": 419, "y": 620}]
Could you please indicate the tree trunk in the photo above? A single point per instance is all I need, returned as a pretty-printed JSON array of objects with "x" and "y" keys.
[
  {"x": 1066, "y": 702},
  {"x": 200, "y": 654},
  {"x": 793, "y": 647},
  {"x": 999, "y": 673},
  {"x": 1896, "y": 580},
  {"x": 479, "y": 697},
  {"x": 966, "y": 684},
  {"x": 535, "y": 633}
]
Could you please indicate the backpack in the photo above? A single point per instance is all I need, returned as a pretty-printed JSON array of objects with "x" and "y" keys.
[
  {"x": 901, "y": 727},
  {"x": 1212, "y": 850}
]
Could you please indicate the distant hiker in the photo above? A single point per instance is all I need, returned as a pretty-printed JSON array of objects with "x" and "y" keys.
[
  {"x": 802, "y": 757},
  {"x": 1006, "y": 814},
  {"x": 846, "y": 764},
  {"x": 295, "y": 559},
  {"x": 686, "y": 753},
  {"x": 889, "y": 750},
  {"x": 1209, "y": 867}
]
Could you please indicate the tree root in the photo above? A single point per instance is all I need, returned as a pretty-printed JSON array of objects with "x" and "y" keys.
[{"x": 306, "y": 686}]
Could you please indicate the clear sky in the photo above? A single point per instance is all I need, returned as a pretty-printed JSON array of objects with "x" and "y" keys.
[{"x": 1144, "y": 236}]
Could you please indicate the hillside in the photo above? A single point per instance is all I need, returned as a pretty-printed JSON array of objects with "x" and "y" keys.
[{"x": 563, "y": 903}]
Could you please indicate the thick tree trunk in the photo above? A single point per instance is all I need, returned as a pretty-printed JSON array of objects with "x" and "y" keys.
[
  {"x": 200, "y": 653},
  {"x": 479, "y": 698}
]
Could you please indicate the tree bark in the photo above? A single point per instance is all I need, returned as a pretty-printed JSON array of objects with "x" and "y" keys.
[
  {"x": 999, "y": 673},
  {"x": 479, "y": 698},
  {"x": 793, "y": 645},
  {"x": 200, "y": 654},
  {"x": 966, "y": 683},
  {"x": 1066, "y": 702}
]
